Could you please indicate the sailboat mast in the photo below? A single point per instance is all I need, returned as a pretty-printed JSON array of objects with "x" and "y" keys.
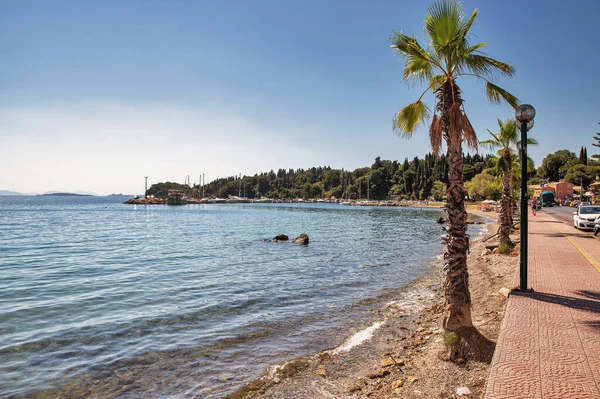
[
  {"x": 342, "y": 179},
  {"x": 359, "y": 189}
]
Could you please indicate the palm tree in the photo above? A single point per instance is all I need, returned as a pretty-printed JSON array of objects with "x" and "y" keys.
[
  {"x": 449, "y": 56},
  {"x": 507, "y": 142}
]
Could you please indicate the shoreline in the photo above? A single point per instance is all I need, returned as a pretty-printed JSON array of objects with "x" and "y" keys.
[
  {"x": 246, "y": 201},
  {"x": 398, "y": 350}
]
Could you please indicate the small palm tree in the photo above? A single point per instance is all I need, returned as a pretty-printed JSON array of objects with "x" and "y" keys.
[
  {"x": 507, "y": 142},
  {"x": 449, "y": 56}
]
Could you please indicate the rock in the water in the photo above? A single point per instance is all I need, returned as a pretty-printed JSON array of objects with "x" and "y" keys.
[
  {"x": 301, "y": 239},
  {"x": 440, "y": 220},
  {"x": 280, "y": 237},
  {"x": 469, "y": 221},
  {"x": 226, "y": 377}
]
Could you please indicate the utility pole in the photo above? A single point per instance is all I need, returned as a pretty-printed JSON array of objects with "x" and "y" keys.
[
  {"x": 202, "y": 185},
  {"x": 146, "y": 187}
]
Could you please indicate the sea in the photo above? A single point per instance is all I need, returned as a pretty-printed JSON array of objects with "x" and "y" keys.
[{"x": 99, "y": 299}]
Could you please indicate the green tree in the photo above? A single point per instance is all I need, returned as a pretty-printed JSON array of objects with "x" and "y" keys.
[
  {"x": 596, "y": 143},
  {"x": 438, "y": 190},
  {"x": 162, "y": 189},
  {"x": 449, "y": 55},
  {"x": 550, "y": 169},
  {"x": 505, "y": 141},
  {"x": 484, "y": 186},
  {"x": 583, "y": 155},
  {"x": 583, "y": 174}
]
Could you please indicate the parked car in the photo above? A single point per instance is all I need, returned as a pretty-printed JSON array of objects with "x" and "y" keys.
[
  {"x": 597, "y": 226},
  {"x": 585, "y": 217}
]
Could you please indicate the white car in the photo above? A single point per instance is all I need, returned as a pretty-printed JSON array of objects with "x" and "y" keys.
[{"x": 585, "y": 216}]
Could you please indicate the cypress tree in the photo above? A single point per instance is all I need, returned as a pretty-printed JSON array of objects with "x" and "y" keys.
[{"x": 596, "y": 144}]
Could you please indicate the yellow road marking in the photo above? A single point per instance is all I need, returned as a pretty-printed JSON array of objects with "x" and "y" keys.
[{"x": 585, "y": 254}]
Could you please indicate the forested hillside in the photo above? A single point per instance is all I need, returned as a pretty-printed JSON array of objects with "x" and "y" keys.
[{"x": 410, "y": 179}]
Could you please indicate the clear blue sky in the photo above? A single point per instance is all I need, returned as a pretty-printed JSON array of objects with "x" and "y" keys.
[{"x": 96, "y": 95}]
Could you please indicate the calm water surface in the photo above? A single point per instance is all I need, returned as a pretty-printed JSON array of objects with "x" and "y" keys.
[{"x": 102, "y": 299}]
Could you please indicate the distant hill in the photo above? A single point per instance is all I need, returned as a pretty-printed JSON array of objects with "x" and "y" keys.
[
  {"x": 66, "y": 195},
  {"x": 6, "y": 192}
]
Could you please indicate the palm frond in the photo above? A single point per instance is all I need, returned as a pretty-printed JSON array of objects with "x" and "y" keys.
[
  {"x": 443, "y": 23},
  {"x": 492, "y": 161},
  {"x": 503, "y": 164},
  {"x": 491, "y": 144},
  {"x": 408, "y": 118},
  {"x": 469, "y": 133},
  {"x": 455, "y": 128},
  {"x": 416, "y": 70},
  {"x": 474, "y": 48},
  {"x": 530, "y": 141},
  {"x": 436, "y": 81},
  {"x": 487, "y": 67},
  {"x": 467, "y": 25},
  {"x": 435, "y": 135},
  {"x": 496, "y": 94},
  {"x": 418, "y": 63}
]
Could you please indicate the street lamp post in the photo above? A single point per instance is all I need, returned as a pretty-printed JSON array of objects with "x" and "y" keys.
[
  {"x": 146, "y": 187},
  {"x": 524, "y": 115}
]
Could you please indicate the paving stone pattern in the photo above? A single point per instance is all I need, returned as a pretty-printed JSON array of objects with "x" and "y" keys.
[{"x": 549, "y": 343}]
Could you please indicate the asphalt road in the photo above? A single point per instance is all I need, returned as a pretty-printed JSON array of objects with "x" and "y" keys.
[{"x": 564, "y": 214}]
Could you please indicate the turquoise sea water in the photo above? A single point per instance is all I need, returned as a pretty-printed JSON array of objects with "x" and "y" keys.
[{"x": 102, "y": 299}]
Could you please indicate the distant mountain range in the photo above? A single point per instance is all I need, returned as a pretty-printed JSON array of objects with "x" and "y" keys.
[
  {"x": 66, "y": 195},
  {"x": 59, "y": 193},
  {"x": 6, "y": 192}
]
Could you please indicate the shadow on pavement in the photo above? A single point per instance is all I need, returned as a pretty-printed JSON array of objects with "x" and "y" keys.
[{"x": 589, "y": 305}]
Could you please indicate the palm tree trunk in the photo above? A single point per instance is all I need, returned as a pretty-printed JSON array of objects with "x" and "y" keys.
[
  {"x": 505, "y": 214},
  {"x": 467, "y": 342},
  {"x": 456, "y": 284}
]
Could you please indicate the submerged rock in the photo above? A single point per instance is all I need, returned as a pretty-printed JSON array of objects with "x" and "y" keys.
[
  {"x": 440, "y": 220},
  {"x": 280, "y": 237},
  {"x": 302, "y": 239},
  {"x": 226, "y": 377}
]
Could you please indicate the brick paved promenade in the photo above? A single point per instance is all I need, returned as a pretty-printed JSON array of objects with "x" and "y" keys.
[{"x": 549, "y": 343}]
